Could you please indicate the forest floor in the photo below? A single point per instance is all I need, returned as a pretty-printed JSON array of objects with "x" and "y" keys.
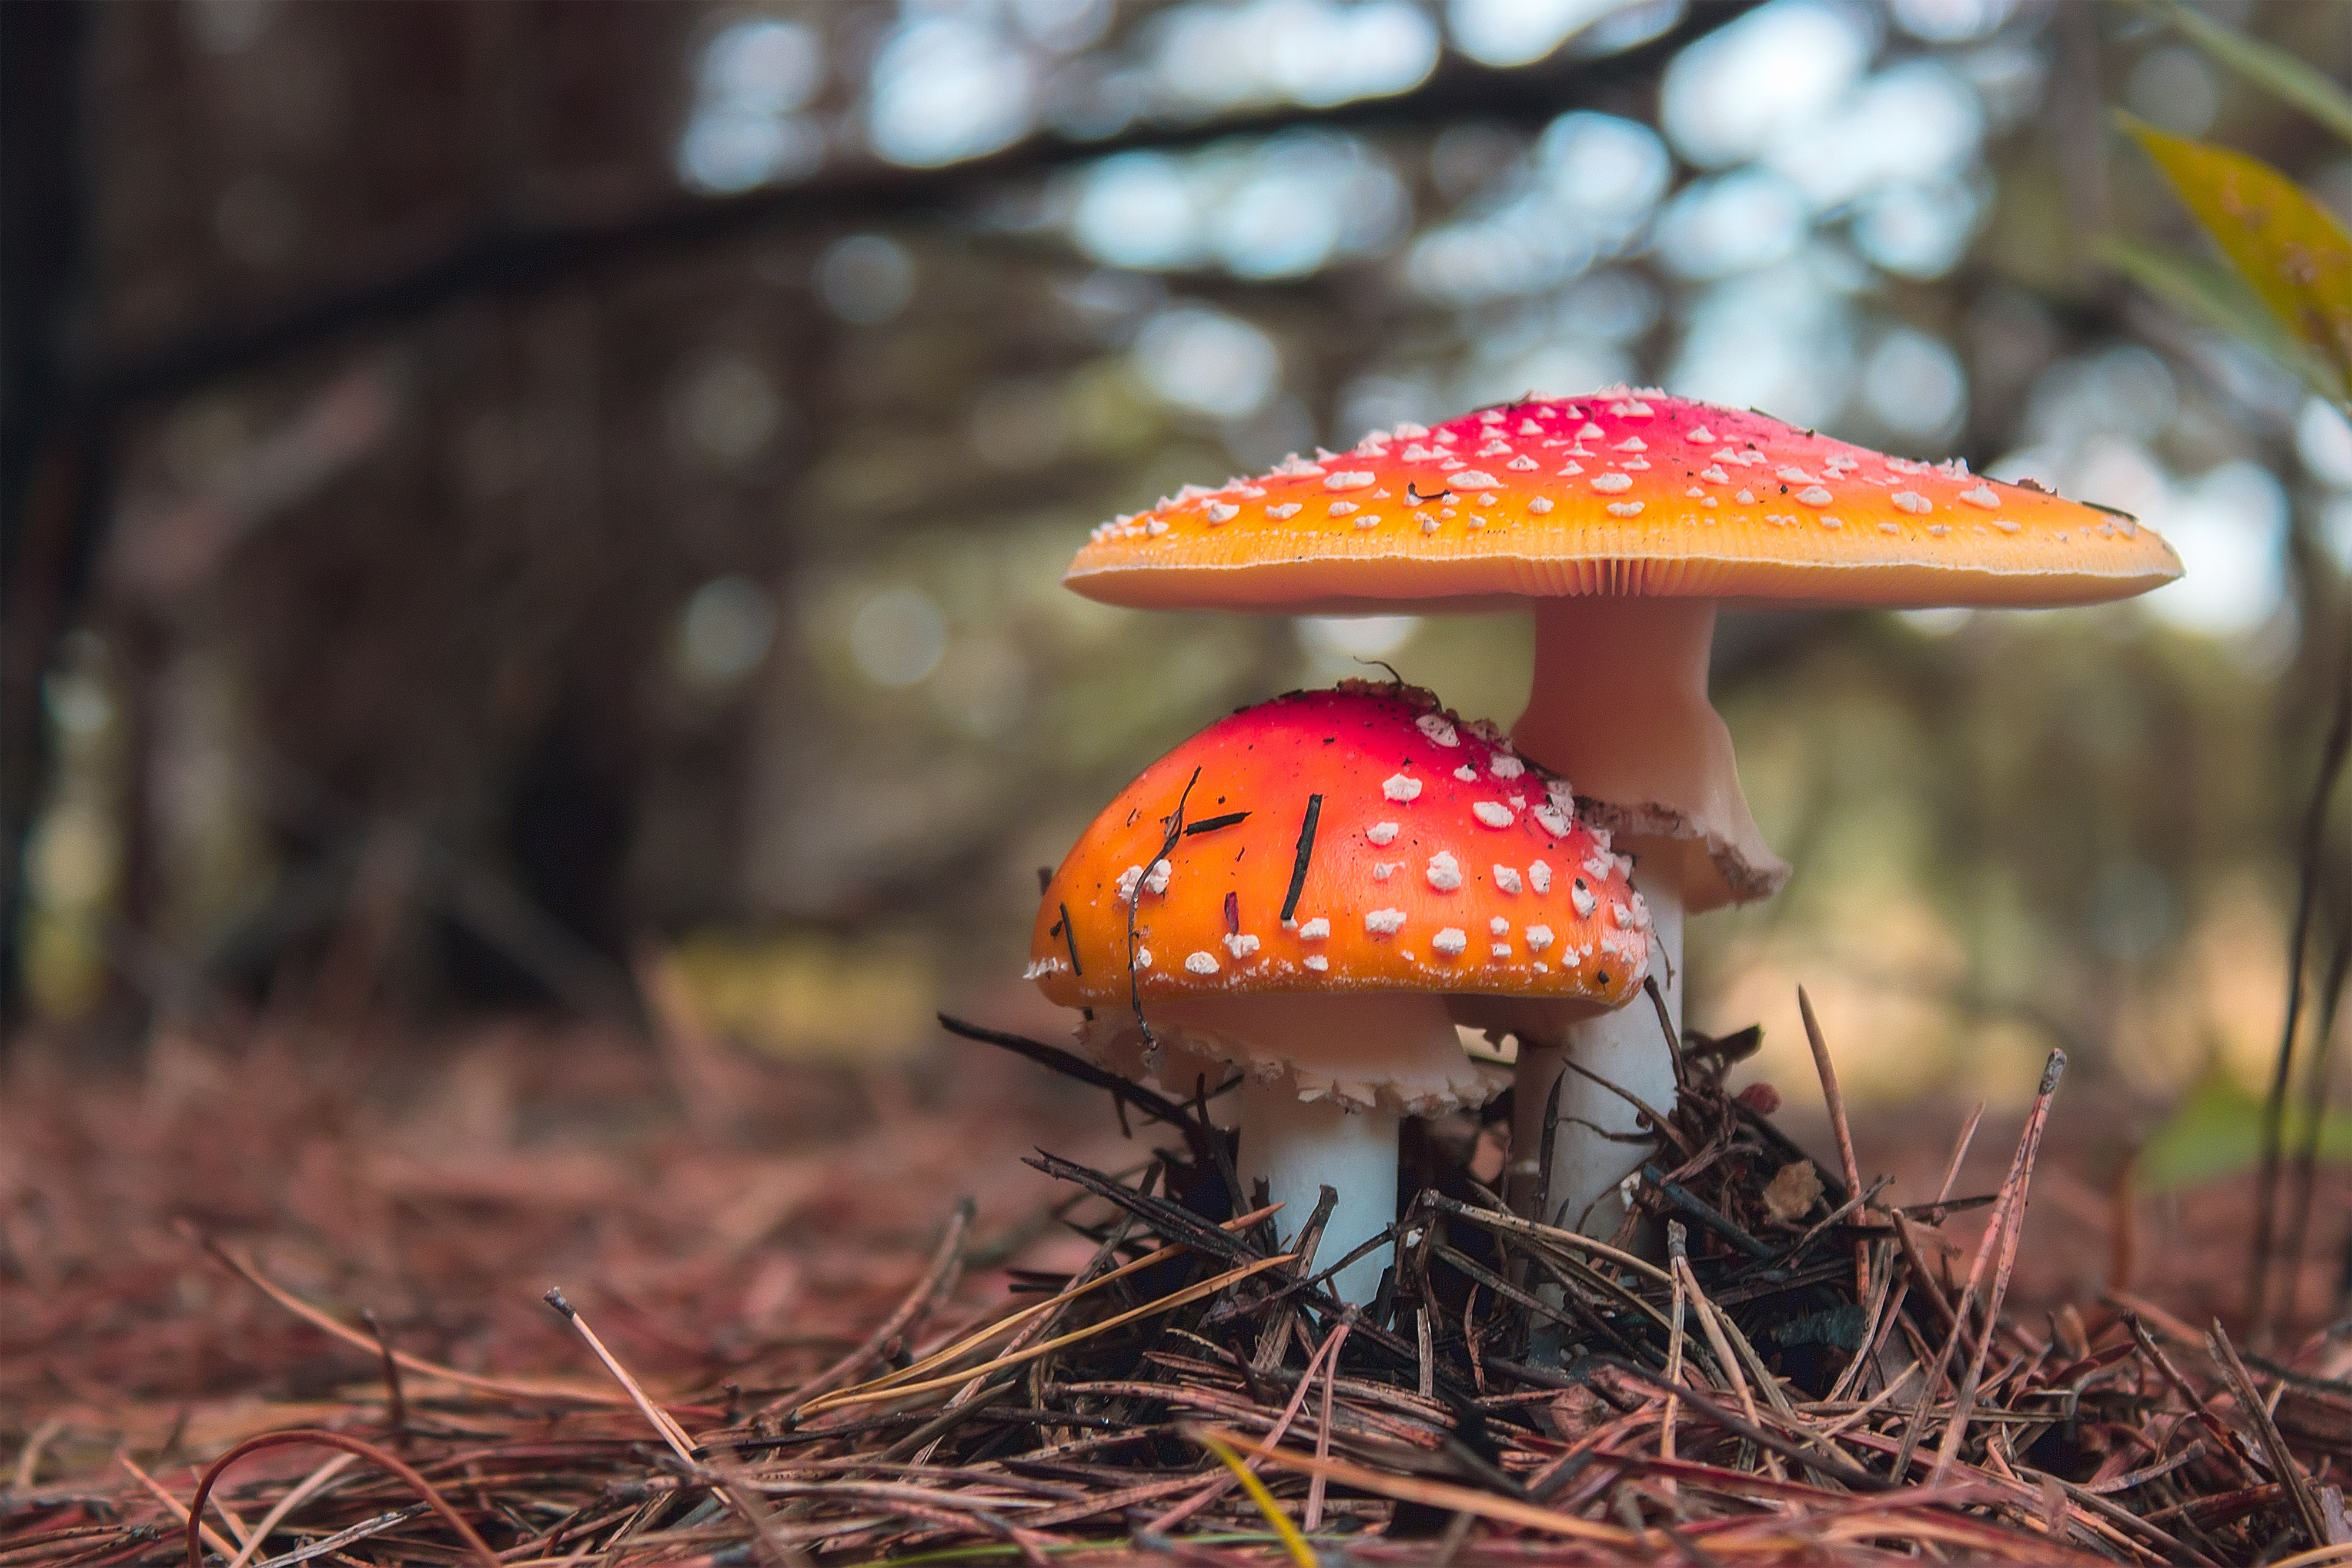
[{"x": 731, "y": 1228}]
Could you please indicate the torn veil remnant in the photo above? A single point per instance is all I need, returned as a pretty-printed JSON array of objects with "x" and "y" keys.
[
  {"x": 1278, "y": 945},
  {"x": 1623, "y": 517}
]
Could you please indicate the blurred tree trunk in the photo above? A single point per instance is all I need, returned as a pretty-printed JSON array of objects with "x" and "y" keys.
[{"x": 51, "y": 465}]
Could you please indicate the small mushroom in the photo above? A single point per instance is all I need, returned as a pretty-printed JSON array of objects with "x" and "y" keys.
[
  {"x": 1295, "y": 892},
  {"x": 1624, "y": 517}
]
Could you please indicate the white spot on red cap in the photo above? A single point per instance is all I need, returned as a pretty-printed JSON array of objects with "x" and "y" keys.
[
  {"x": 1494, "y": 813},
  {"x": 1498, "y": 926},
  {"x": 1631, "y": 444},
  {"x": 1384, "y": 922},
  {"x": 1444, "y": 873},
  {"x": 1540, "y": 505},
  {"x": 1452, "y": 941},
  {"x": 1538, "y": 938},
  {"x": 1624, "y": 508},
  {"x": 1472, "y": 479},
  {"x": 1698, "y": 432},
  {"x": 1523, "y": 464},
  {"x": 1714, "y": 474},
  {"x": 1315, "y": 930},
  {"x": 1815, "y": 495},
  {"x": 1156, "y": 882},
  {"x": 1612, "y": 484},
  {"x": 1539, "y": 876},
  {"x": 1911, "y": 501},
  {"x": 1466, "y": 773},
  {"x": 1981, "y": 496},
  {"x": 1582, "y": 897},
  {"x": 1506, "y": 877},
  {"x": 1439, "y": 728},
  {"x": 1200, "y": 962},
  {"x": 1504, "y": 764},
  {"x": 1341, "y": 509},
  {"x": 1401, "y": 787},
  {"x": 1351, "y": 479},
  {"x": 1382, "y": 832},
  {"x": 1220, "y": 511},
  {"x": 1317, "y": 962},
  {"x": 1287, "y": 509},
  {"x": 1240, "y": 944}
]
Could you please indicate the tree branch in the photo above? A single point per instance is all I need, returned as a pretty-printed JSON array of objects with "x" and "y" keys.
[{"x": 537, "y": 255}]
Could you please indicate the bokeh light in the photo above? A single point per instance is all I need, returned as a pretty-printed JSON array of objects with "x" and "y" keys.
[{"x": 1205, "y": 361}]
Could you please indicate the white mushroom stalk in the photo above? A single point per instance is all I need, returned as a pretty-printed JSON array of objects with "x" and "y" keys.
[
  {"x": 1326, "y": 1080},
  {"x": 1620, "y": 706}
]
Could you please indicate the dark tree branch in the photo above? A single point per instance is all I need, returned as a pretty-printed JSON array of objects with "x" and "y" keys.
[{"x": 530, "y": 257}]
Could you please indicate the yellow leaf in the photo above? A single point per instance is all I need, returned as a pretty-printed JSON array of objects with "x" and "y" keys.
[{"x": 2285, "y": 243}]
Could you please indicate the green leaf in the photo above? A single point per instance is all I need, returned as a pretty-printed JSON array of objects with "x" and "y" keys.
[
  {"x": 2282, "y": 243},
  {"x": 2282, "y": 75},
  {"x": 2216, "y": 1132},
  {"x": 2221, "y": 299}
]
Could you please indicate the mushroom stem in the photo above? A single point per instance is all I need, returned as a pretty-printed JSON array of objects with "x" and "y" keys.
[
  {"x": 1620, "y": 709},
  {"x": 1297, "y": 1147},
  {"x": 1598, "y": 1141},
  {"x": 1327, "y": 1080}
]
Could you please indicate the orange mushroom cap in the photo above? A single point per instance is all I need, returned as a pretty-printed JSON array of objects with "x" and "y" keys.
[
  {"x": 1622, "y": 492},
  {"x": 1360, "y": 839}
]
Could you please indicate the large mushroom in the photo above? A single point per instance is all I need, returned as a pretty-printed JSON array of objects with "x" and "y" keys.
[
  {"x": 1293, "y": 892},
  {"x": 1625, "y": 517}
]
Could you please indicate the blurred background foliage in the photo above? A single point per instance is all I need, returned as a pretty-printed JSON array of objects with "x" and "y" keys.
[{"x": 506, "y": 501}]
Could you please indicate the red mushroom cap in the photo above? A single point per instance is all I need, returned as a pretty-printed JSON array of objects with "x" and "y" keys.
[
  {"x": 1622, "y": 492},
  {"x": 1361, "y": 839}
]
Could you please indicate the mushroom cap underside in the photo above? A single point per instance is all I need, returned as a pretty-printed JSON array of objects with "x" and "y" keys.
[
  {"x": 1358, "y": 839},
  {"x": 1623, "y": 492}
]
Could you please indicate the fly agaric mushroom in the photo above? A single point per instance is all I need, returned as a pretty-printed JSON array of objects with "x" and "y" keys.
[
  {"x": 1625, "y": 517},
  {"x": 1293, "y": 892}
]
